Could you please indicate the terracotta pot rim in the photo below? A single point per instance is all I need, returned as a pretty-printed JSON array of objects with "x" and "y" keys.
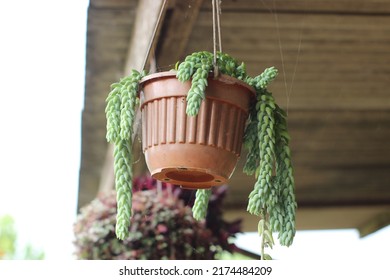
[{"x": 222, "y": 78}]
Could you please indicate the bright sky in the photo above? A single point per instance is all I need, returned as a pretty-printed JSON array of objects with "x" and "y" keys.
[
  {"x": 42, "y": 63},
  {"x": 334, "y": 245}
]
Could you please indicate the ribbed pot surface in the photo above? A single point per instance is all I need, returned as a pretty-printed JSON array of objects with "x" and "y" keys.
[{"x": 194, "y": 152}]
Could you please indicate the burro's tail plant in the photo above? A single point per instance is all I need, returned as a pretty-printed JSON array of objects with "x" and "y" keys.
[
  {"x": 266, "y": 139},
  {"x": 120, "y": 114}
]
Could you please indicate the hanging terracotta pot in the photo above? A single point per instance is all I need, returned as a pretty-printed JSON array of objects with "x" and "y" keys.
[{"x": 195, "y": 152}]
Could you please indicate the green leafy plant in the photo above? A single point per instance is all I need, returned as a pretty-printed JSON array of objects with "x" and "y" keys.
[
  {"x": 120, "y": 113},
  {"x": 9, "y": 242},
  {"x": 266, "y": 139}
]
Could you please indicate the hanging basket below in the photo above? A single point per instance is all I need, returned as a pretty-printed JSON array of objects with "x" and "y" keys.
[{"x": 195, "y": 152}]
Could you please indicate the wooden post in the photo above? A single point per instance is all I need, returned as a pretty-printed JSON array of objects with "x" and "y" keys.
[{"x": 146, "y": 19}]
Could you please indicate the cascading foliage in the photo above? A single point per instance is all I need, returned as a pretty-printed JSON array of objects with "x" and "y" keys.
[
  {"x": 197, "y": 67},
  {"x": 120, "y": 114},
  {"x": 199, "y": 210},
  {"x": 266, "y": 139}
]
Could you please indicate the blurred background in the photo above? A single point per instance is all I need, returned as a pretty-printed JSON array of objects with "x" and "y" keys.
[{"x": 58, "y": 58}]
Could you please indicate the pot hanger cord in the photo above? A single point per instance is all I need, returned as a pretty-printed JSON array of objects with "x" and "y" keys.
[{"x": 216, "y": 33}]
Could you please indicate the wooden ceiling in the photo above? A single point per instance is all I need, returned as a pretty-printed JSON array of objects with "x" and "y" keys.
[{"x": 334, "y": 81}]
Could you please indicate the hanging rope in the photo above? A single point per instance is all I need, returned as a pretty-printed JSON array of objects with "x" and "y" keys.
[{"x": 216, "y": 34}]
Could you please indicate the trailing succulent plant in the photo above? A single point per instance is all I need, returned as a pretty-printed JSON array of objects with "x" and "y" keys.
[
  {"x": 120, "y": 114},
  {"x": 266, "y": 139},
  {"x": 162, "y": 226}
]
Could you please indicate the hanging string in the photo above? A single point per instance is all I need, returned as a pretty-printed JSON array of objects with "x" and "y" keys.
[{"x": 216, "y": 34}]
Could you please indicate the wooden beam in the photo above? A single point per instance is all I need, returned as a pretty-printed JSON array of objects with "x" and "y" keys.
[
  {"x": 319, "y": 218},
  {"x": 144, "y": 33},
  {"x": 375, "y": 223},
  {"x": 147, "y": 14},
  {"x": 177, "y": 28},
  {"x": 304, "y": 6},
  {"x": 112, "y": 4}
]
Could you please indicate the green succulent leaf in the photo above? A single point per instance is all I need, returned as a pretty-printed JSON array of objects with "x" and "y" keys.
[
  {"x": 267, "y": 140},
  {"x": 120, "y": 114},
  {"x": 199, "y": 209}
]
